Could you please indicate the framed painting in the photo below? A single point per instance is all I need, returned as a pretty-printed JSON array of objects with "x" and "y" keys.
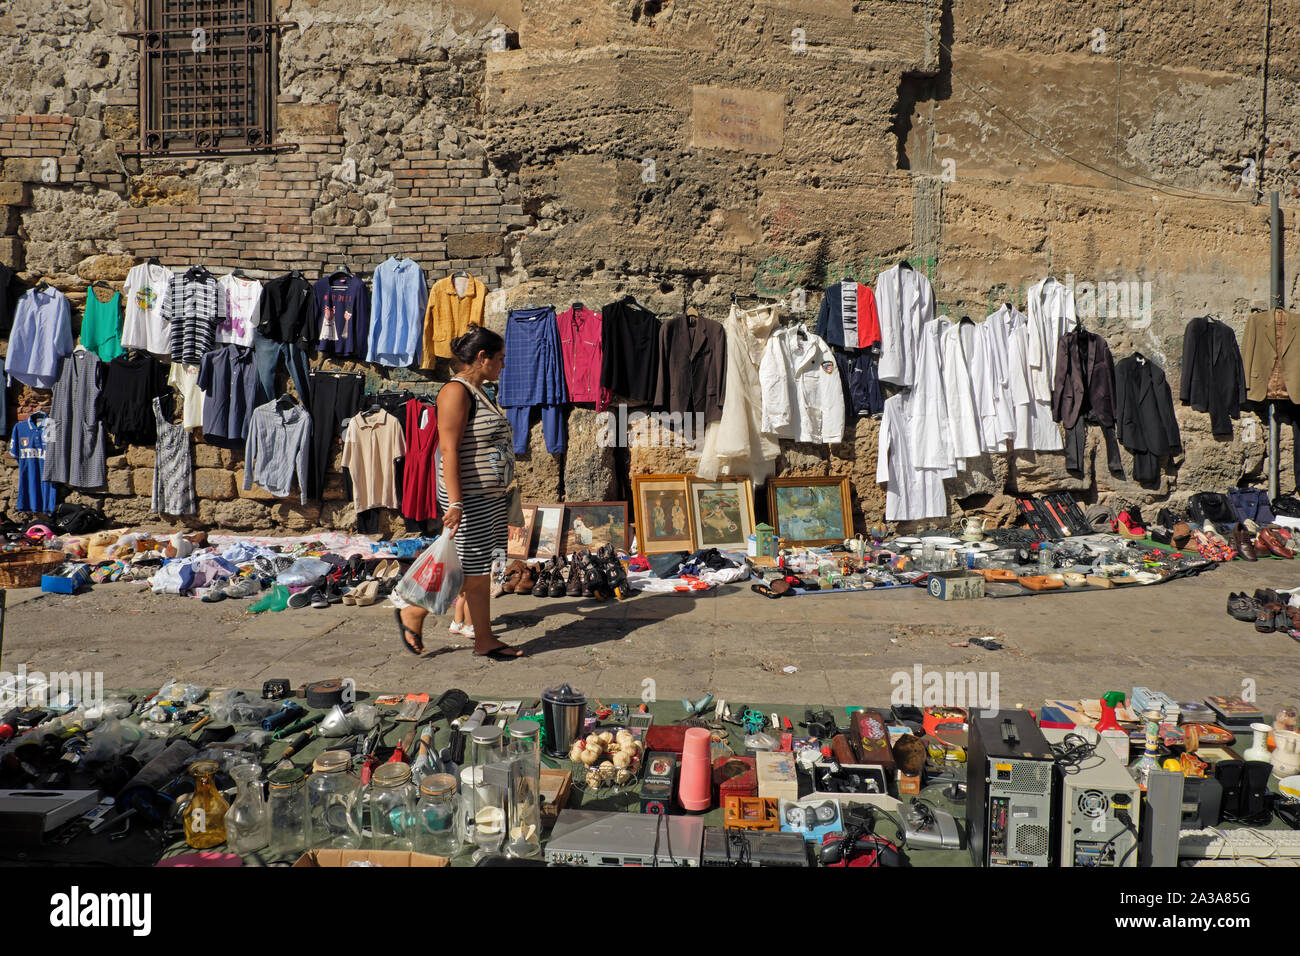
[
  {"x": 594, "y": 524},
  {"x": 517, "y": 545},
  {"x": 548, "y": 521},
  {"x": 722, "y": 512},
  {"x": 810, "y": 511},
  {"x": 663, "y": 513}
]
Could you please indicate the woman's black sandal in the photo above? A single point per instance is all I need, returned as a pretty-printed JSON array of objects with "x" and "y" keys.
[{"x": 417, "y": 648}]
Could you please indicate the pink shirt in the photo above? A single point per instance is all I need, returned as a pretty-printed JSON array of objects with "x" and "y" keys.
[{"x": 581, "y": 348}]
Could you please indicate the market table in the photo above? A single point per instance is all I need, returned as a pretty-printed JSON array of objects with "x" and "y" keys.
[{"x": 142, "y": 846}]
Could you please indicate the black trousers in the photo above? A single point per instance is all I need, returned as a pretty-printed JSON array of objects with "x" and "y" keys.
[
  {"x": 1076, "y": 443},
  {"x": 334, "y": 399}
]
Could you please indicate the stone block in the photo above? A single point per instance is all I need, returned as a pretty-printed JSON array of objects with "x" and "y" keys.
[
  {"x": 751, "y": 121},
  {"x": 255, "y": 493},
  {"x": 207, "y": 456},
  {"x": 15, "y": 194},
  {"x": 313, "y": 118},
  {"x": 214, "y": 484},
  {"x": 139, "y": 456},
  {"x": 142, "y": 482},
  {"x": 295, "y": 517},
  {"x": 474, "y": 245},
  {"x": 119, "y": 481},
  {"x": 11, "y": 253},
  {"x": 109, "y": 268},
  {"x": 242, "y": 514}
]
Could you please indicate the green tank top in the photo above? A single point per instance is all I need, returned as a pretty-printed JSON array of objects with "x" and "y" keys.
[{"x": 101, "y": 326}]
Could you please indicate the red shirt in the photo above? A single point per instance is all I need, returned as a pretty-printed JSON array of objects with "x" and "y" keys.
[{"x": 580, "y": 345}]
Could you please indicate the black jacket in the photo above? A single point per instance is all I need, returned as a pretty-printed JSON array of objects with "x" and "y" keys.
[
  {"x": 629, "y": 360},
  {"x": 1213, "y": 379},
  {"x": 692, "y": 367},
  {"x": 1144, "y": 409},
  {"x": 287, "y": 311},
  {"x": 1085, "y": 380}
]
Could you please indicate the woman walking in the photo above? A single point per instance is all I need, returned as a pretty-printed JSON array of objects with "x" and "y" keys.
[{"x": 475, "y": 466}]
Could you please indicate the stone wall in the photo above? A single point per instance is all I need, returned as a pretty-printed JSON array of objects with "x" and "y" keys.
[{"x": 688, "y": 151}]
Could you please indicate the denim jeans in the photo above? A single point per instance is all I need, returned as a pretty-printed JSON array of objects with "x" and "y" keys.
[{"x": 266, "y": 357}]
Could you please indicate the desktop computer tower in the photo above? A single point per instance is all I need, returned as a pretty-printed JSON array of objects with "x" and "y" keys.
[
  {"x": 1010, "y": 791},
  {"x": 1091, "y": 802}
]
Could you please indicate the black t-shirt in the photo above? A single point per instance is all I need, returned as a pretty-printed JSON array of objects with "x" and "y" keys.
[
  {"x": 131, "y": 382},
  {"x": 11, "y": 290}
]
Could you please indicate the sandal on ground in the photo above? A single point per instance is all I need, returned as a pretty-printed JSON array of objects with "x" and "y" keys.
[
  {"x": 418, "y": 646},
  {"x": 764, "y": 590},
  {"x": 501, "y": 653}
]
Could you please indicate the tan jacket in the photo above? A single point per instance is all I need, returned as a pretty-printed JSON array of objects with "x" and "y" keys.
[
  {"x": 449, "y": 315},
  {"x": 1260, "y": 354}
]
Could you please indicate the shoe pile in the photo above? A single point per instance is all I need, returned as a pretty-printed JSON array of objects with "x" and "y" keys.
[
  {"x": 1269, "y": 610},
  {"x": 595, "y": 574}
]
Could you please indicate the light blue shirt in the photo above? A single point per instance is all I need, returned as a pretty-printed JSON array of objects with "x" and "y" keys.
[
  {"x": 397, "y": 313},
  {"x": 41, "y": 337}
]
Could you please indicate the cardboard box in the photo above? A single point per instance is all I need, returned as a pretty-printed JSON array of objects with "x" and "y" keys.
[
  {"x": 390, "y": 858},
  {"x": 555, "y": 787},
  {"x": 955, "y": 585},
  {"x": 66, "y": 578},
  {"x": 777, "y": 776}
]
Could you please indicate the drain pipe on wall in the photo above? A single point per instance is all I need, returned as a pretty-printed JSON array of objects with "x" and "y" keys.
[{"x": 1275, "y": 302}]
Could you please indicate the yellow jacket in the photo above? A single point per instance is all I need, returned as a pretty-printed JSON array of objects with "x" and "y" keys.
[{"x": 449, "y": 315}]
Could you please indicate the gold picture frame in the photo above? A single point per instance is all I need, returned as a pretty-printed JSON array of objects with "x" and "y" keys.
[
  {"x": 663, "y": 513},
  {"x": 804, "y": 514},
  {"x": 722, "y": 512},
  {"x": 520, "y": 539},
  {"x": 589, "y": 525}
]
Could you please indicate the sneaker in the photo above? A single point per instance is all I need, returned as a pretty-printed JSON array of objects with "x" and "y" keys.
[
  {"x": 464, "y": 630},
  {"x": 242, "y": 587},
  {"x": 301, "y": 598},
  {"x": 213, "y": 594}
]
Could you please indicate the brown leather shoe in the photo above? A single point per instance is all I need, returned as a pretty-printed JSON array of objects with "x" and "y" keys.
[
  {"x": 1182, "y": 533},
  {"x": 1241, "y": 544},
  {"x": 1273, "y": 544},
  {"x": 1266, "y": 619}
]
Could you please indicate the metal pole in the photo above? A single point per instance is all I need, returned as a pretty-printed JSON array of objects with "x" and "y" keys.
[{"x": 1275, "y": 302}]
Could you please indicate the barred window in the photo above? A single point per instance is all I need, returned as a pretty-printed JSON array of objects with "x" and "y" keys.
[{"x": 208, "y": 71}]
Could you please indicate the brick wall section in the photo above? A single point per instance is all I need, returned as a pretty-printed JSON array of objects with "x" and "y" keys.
[
  {"x": 25, "y": 141},
  {"x": 445, "y": 214}
]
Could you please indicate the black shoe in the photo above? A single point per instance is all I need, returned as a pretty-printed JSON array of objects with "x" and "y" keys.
[
  {"x": 1242, "y": 607},
  {"x": 319, "y": 600},
  {"x": 557, "y": 589},
  {"x": 574, "y": 586},
  {"x": 543, "y": 585}
]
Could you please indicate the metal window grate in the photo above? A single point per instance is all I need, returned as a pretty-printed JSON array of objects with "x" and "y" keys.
[{"x": 208, "y": 76}]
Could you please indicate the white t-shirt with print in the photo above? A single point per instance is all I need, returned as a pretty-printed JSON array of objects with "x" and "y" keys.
[
  {"x": 237, "y": 301},
  {"x": 146, "y": 292}
]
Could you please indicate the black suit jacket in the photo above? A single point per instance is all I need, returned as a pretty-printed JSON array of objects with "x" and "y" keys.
[
  {"x": 1145, "y": 411},
  {"x": 1085, "y": 379},
  {"x": 692, "y": 367},
  {"x": 1213, "y": 379}
]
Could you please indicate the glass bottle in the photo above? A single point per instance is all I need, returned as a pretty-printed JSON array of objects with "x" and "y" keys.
[
  {"x": 489, "y": 788},
  {"x": 246, "y": 821},
  {"x": 1140, "y": 769},
  {"x": 205, "y": 815},
  {"x": 525, "y": 837},
  {"x": 333, "y": 791},
  {"x": 392, "y": 808},
  {"x": 435, "y": 815},
  {"x": 290, "y": 813}
]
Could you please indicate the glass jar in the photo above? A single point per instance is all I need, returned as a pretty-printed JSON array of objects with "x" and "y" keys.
[
  {"x": 392, "y": 808},
  {"x": 334, "y": 791},
  {"x": 489, "y": 786},
  {"x": 246, "y": 821},
  {"x": 435, "y": 815},
  {"x": 525, "y": 812},
  {"x": 205, "y": 815},
  {"x": 290, "y": 813}
]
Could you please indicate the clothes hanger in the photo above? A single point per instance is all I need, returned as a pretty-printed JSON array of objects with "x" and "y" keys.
[
  {"x": 904, "y": 264},
  {"x": 578, "y": 307},
  {"x": 153, "y": 261},
  {"x": 285, "y": 401},
  {"x": 239, "y": 273},
  {"x": 41, "y": 286}
]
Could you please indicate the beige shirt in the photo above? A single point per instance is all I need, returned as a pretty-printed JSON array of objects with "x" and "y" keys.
[{"x": 371, "y": 446}]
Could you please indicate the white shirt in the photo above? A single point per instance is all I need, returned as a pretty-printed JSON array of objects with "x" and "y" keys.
[
  {"x": 927, "y": 404},
  {"x": 1051, "y": 314},
  {"x": 993, "y": 389},
  {"x": 911, "y": 493},
  {"x": 802, "y": 396},
  {"x": 144, "y": 327},
  {"x": 185, "y": 379},
  {"x": 735, "y": 444},
  {"x": 237, "y": 301},
  {"x": 1034, "y": 429},
  {"x": 963, "y": 422},
  {"x": 904, "y": 303}
]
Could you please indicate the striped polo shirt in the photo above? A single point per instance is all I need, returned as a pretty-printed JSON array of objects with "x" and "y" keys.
[{"x": 191, "y": 314}]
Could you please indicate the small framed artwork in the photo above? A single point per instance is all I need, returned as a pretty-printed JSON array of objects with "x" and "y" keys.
[
  {"x": 548, "y": 521},
  {"x": 594, "y": 524},
  {"x": 810, "y": 511},
  {"x": 663, "y": 513},
  {"x": 722, "y": 512},
  {"x": 521, "y": 537}
]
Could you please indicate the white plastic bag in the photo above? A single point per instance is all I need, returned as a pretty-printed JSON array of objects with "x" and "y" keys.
[
  {"x": 434, "y": 579},
  {"x": 304, "y": 572}
]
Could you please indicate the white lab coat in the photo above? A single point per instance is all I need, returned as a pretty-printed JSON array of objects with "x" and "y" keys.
[
  {"x": 911, "y": 493},
  {"x": 959, "y": 390},
  {"x": 735, "y": 444},
  {"x": 1034, "y": 429},
  {"x": 1051, "y": 314},
  {"x": 992, "y": 384},
  {"x": 904, "y": 303},
  {"x": 927, "y": 404},
  {"x": 802, "y": 396}
]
